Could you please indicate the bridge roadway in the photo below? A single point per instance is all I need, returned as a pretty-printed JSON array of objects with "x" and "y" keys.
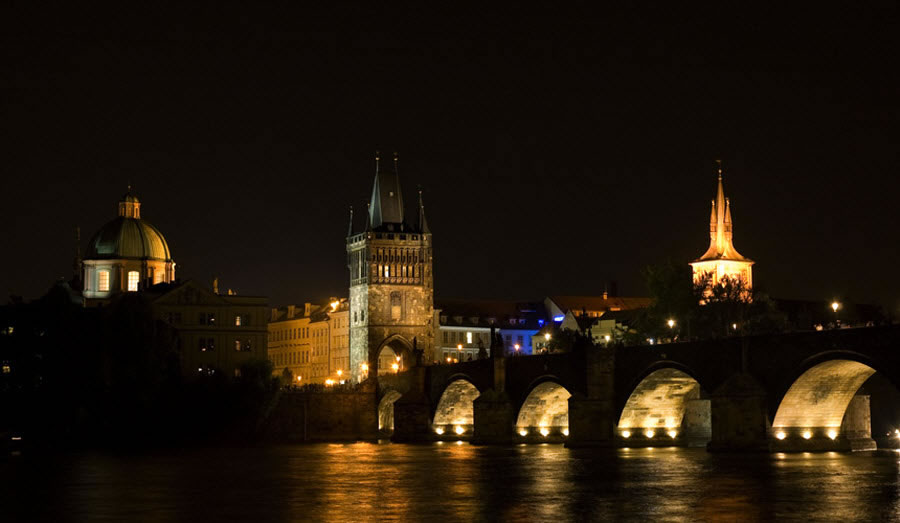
[{"x": 794, "y": 391}]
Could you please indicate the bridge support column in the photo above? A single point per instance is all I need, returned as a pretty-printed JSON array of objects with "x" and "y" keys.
[
  {"x": 592, "y": 419},
  {"x": 494, "y": 418},
  {"x": 739, "y": 416},
  {"x": 412, "y": 412},
  {"x": 697, "y": 425},
  {"x": 857, "y": 424},
  {"x": 591, "y": 422}
]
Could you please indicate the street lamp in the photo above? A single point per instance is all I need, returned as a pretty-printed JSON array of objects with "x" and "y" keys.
[
  {"x": 835, "y": 305},
  {"x": 516, "y": 346},
  {"x": 671, "y": 323}
]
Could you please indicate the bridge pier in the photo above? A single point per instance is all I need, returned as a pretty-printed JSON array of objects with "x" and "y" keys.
[
  {"x": 412, "y": 411},
  {"x": 696, "y": 427},
  {"x": 857, "y": 424},
  {"x": 739, "y": 417},
  {"x": 494, "y": 418},
  {"x": 591, "y": 422}
]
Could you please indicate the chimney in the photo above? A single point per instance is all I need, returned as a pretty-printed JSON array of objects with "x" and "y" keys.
[
  {"x": 290, "y": 311},
  {"x": 307, "y": 308}
]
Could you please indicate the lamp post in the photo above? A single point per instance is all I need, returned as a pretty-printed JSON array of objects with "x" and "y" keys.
[
  {"x": 835, "y": 305},
  {"x": 671, "y": 324}
]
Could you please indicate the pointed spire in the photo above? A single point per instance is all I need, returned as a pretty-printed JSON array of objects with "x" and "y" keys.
[
  {"x": 350, "y": 227},
  {"x": 386, "y": 205},
  {"x": 720, "y": 208},
  {"x": 423, "y": 223}
]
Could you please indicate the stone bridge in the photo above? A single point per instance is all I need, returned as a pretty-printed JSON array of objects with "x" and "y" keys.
[{"x": 782, "y": 392}]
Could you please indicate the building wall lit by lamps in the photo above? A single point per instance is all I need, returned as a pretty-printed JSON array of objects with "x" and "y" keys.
[
  {"x": 312, "y": 340},
  {"x": 721, "y": 259}
]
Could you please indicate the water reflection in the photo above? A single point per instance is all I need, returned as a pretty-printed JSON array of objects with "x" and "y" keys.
[{"x": 449, "y": 481}]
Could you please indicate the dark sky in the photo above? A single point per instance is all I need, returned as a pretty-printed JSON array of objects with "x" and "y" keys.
[{"x": 557, "y": 149}]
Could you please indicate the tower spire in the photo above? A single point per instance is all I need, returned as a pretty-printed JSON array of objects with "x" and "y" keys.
[
  {"x": 423, "y": 223},
  {"x": 350, "y": 226},
  {"x": 386, "y": 205}
]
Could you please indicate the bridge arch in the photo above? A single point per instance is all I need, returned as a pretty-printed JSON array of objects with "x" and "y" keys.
[
  {"x": 666, "y": 405},
  {"x": 394, "y": 350},
  {"x": 544, "y": 412},
  {"x": 386, "y": 411},
  {"x": 820, "y": 409},
  {"x": 454, "y": 414}
]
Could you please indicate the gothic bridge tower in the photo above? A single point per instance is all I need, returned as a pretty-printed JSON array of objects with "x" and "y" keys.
[{"x": 391, "y": 283}]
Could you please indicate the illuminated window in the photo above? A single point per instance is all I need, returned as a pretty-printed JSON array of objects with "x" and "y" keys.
[
  {"x": 103, "y": 281},
  {"x": 133, "y": 278},
  {"x": 237, "y": 345},
  {"x": 237, "y": 320},
  {"x": 387, "y": 271},
  {"x": 469, "y": 337},
  {"x": 396, "y": 308}
]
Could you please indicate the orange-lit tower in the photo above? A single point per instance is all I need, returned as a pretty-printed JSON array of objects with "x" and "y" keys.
[{"x": 722, "y": 259}]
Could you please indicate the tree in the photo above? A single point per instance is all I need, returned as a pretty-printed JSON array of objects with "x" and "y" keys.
[{"x": 701, "y": 309}]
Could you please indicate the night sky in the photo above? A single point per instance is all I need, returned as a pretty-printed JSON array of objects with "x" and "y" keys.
[{"x": 557, "y": 150}]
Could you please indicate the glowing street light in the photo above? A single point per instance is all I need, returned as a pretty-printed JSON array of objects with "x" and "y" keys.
[
  {"x": 607, "y": 338},
  {"x": 340, "y": 372},
  {"x": 547, "y": 336},
  {"x": 299, "y": 378},
  {"x": 835, "y": 306},
  {"x": 329, "y": 382},
  {"x": 395, "y": 367},
  {"x": 671, "y": 323},
  {"x": 516, "y": 346}
]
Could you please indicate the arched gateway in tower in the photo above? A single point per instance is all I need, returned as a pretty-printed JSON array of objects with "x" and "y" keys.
[{"x": 391, "y": 283}]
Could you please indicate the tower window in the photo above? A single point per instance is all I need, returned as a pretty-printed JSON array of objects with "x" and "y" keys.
[
  {"x": 103, "y": 281},
  {"x": 133, "y": 278},
  {"x": 396, "y": 306}
]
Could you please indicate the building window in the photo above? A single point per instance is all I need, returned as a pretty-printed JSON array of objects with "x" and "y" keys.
[
  {"x": 238, "y": 320},
  {"x": 207, "y": 344},
  {"x": 237, "y": 345},
  {"x": 396, "y": 308},
  {"x": 469, "y": 338},
  {"x": 133, "y": 278},
  {"x": 103, "y": 281}
]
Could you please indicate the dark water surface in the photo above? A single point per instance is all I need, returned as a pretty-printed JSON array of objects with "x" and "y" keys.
[{"x": 450, "y": 482}]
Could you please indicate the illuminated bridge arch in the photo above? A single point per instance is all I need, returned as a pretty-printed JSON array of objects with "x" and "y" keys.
[
  {"x": 812, "y": 411},
  {"x": 455, "y": 412},
  {"x": 665, "y": 408},
  {"x": 386, "y": 411},
  {"x": 544, "y": 414}
]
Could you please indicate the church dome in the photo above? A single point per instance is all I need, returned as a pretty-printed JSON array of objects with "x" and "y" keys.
[{"x": 128, "y": 236}]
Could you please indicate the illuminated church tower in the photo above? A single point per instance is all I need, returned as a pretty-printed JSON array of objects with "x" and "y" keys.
[
  {"x": 391, "y": 283},
  {"x": 722, "y": 259}
]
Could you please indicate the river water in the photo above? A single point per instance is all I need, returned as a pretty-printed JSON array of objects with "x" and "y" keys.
[{"x": 449, "y": 482}]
